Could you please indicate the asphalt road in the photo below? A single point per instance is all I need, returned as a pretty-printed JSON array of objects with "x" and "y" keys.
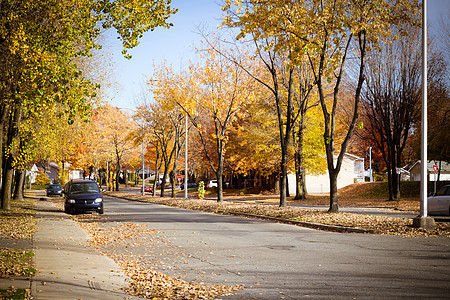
[
  {"x": 358, "y": 210},
  {"x": 278, "y": 261}
]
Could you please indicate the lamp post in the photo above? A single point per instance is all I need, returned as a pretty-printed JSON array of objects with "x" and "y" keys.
[
  {"x": 423, "y": 221},
  {"x": 143, "y": 162},
  {"x": 186, "y": 157},
  {"x": 370, "y": 165}
]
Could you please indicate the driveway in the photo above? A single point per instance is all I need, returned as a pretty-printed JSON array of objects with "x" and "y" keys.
[{"x": 279, "y": 261}]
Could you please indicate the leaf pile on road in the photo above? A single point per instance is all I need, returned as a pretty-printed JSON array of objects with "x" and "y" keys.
[
  {"x": 119, "y": 242},
  {"x": 377, "y": 224}
]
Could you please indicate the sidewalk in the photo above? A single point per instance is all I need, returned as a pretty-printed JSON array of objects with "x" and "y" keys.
[{"x": 67, "y": 267}]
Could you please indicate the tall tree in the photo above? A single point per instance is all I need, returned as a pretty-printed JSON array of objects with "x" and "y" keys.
[
  {"x": 391, "y": 98},
  {"x": 112, "y": 128},
  {"x": 38, "y": 43},
  {"x": 325, "y": 33},
  {"x": 212, "y": 95}
]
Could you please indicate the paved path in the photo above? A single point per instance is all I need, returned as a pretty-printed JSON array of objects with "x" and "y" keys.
[{"x": 67, "y": 267}]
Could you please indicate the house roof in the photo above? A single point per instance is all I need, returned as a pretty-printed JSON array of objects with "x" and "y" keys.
[
  {"x": 445, "y": 166},
  {"x": 351, "y": 156}
]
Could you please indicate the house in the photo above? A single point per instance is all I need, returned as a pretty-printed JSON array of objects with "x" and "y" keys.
[
  {"x": 444, "y": 171},
  {"x": 33, "y": 173},
  {"x": 352, "y": 170},
  {"x": 52, "y": 171}
]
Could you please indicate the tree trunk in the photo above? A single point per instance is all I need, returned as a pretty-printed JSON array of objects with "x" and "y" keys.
[
  {"x": 172, "y": 177},
  {"x": 283, "y": 174},
  {"x": 3, "y": 129},
  {"x": 276, "y": 184},
  {"x": 8, "y": 170},
  {"x": 285, "y": 137},
  {"x": 163, "y": 181},
  {"x": 219, "y": 174},
  {"x": 173, "y": 174},
  {"x": 333, "y": 192},
  {"x": 298, "y": 157},
  {"x": 397, "y": 176},
  {"x": 117, "y": 175},
  {"x": 7, "y": 181},
  {"x": 19, "y": 185}
]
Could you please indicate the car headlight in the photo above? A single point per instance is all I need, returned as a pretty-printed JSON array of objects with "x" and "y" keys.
[
  {"x": 98, "y": 200},
  {"x": 71, "y": 201}
]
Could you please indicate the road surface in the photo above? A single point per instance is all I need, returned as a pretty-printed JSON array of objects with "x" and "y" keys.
[{"x": 279, "y": 261}]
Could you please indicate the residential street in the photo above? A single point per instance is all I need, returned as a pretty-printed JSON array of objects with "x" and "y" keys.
[{"x": 278, "y": 261}]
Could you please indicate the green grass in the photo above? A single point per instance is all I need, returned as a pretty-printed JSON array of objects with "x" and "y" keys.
[
  {"x": 38, "y": 187},
  {"x": 15, "y": 294},
  {"x": 16, "y": 263},
  {"x": 408, "y": 189}
]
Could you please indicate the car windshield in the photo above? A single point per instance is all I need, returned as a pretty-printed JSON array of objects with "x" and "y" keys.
[
  {"x": 85, "y": 187},
  {"x": 443, "y": 191},
  {"x": 54, "y": 186}
]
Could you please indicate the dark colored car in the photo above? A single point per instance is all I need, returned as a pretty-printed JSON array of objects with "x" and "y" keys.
[
  {"x": 82, "y": 196},
  {"x": 191, "y": 185},
  {"x": 54, "y": 190}
]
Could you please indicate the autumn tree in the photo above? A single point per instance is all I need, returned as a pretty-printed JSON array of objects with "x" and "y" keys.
[
  {"x": 212, "y": 95},
  {"x": 38, "y": 43},
  {"x": 391, "y": 98},
  {"x": 325, "y": 33},
  {"x": 112, "y": 128},
  {"x": 438, "y": 95}
]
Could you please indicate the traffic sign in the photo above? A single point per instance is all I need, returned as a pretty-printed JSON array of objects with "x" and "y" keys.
[{"x": 435, "y": 168}]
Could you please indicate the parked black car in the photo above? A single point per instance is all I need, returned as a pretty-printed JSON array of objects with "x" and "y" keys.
[
  {"x": 81, "y": 196},
  {"x": 54, "y": 190},
  {"x": 191, "y": 185}
]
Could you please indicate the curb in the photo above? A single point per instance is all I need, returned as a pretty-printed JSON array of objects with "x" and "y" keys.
[
  {"x": 332, "y": 228},
  {"x": 16, "y": 283}
]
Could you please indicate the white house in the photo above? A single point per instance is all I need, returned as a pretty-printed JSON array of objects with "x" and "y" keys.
[
  {"x": 33, "y": 173},
  {"x": 444, "y": 171},
  {"x": 352, "y": 170}
]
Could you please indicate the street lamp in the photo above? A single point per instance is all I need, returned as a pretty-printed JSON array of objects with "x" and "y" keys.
[
  {"x": 186, "y": 157},
  {"x": 370, "y": 165}
]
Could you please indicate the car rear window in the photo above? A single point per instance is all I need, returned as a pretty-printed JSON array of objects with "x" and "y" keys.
[
  {"x": 444, "y": 191},
  {"x": 85, "y": 187}
]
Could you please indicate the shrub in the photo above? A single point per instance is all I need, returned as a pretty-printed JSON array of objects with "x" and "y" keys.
[
  {"x": 42, "y": 179},
  {"x": 201, "y": 190}
]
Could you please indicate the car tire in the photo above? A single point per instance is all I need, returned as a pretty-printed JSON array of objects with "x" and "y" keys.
[{"x": 101, "y": 211}]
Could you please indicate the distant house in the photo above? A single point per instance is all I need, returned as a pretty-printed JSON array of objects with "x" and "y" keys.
[
  {"x": 52, "y": 171},
  {"x": 33, "y": 173},
  {"x": 444, "y": 171},
  {"x": 352, "y": 170}
]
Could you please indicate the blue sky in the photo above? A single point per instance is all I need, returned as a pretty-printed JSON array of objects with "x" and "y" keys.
[{"x": 175, "y": 45}]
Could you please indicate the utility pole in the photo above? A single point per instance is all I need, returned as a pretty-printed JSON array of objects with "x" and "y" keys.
[{"x": 423, "y": 221}]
